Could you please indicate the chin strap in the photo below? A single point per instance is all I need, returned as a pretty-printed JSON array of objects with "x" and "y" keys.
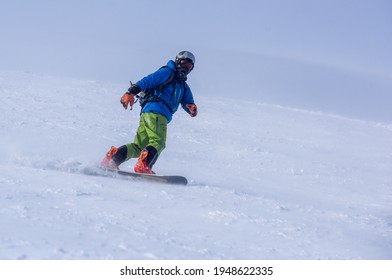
[{"x": 181, "y": 74}]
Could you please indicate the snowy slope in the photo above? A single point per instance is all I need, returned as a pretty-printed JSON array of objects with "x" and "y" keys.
[{"x": 266, "y": 182}]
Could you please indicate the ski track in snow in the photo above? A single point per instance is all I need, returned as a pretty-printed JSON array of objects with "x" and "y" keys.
[{"x": 266, "y": 182}]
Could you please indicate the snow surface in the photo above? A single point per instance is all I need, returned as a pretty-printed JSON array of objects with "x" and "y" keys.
[{"x": 266, "y": 182}]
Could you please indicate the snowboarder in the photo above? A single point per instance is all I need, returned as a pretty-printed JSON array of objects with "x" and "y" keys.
[{"x": 160, "y": 95}]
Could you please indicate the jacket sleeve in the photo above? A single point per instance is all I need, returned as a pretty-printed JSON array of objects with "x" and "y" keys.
[
  {"x": 187, "y": 98},
  {"x": 155, "y": 79}
]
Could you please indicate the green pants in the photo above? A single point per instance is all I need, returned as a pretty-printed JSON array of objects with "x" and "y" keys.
[{"x": 151, "y": 132}]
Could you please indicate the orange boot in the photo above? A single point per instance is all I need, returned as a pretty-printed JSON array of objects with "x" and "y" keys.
[
  {"x": 141, "y": 164},
  {"x": 108, "y": 162}
]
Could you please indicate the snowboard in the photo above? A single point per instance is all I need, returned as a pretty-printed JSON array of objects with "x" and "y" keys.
[{"x": 167, "y": 179}]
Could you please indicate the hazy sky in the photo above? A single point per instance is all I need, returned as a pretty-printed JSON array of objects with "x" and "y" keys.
[{"x": 118, "y": 40}]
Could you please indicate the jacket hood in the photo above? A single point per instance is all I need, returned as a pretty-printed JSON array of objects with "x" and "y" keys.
[{"x": 171, "y": 65}]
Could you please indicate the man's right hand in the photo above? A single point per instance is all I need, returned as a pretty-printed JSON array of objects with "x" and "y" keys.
[{"x": 127, "y": 99}]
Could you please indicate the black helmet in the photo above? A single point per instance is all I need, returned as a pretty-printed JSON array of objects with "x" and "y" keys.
[{"x": 185, "y": 56}]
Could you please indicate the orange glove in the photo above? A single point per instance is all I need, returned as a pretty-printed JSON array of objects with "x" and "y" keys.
[
  {"x": 127, "y": 99},
  {"x": 192, "y": 109}
]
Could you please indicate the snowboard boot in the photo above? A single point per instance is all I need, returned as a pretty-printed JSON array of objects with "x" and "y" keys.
[
  {"x": 145, "y": 161},
  {"x": 108, "y": 162},
  {"x": 114, "y": 157}
]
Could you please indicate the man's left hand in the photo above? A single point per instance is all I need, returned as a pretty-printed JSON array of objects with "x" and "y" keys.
[{"x": 192, "y": 109}]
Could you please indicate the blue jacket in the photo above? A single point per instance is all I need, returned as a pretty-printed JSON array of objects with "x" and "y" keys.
[{"x": 172, "y": 95}]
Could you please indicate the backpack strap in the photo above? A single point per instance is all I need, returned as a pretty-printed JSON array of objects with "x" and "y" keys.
[
  {"x": 171, "y": 78},
  {"x": 149, "y": 93}
]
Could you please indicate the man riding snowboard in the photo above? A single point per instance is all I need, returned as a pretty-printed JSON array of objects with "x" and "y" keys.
[{"x": 160, "y": 93}]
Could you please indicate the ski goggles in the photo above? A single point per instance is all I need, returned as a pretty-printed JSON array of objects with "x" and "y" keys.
[{"x": 186, "y": 63}]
